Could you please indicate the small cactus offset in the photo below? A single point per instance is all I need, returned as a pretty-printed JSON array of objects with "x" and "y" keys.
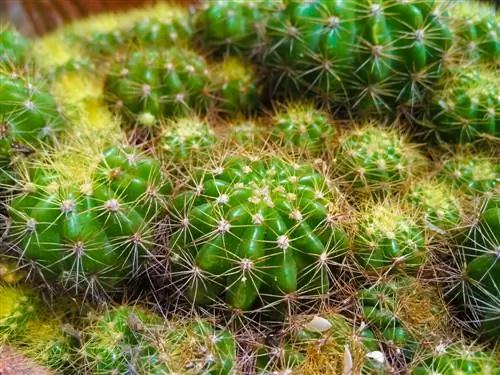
[
  {"x": 14, "y": 48},
  {"x": 468, "y": 107},
  {"x": 471, "y": 173},
  {"x": 372, "y": 159},
  {"x": 87, "y": 223},
  {"x": 185, "y": 139},
  {"x": 456, "y": 358},
  {"x": 322, "y": 344},
  {"x": 29, "y": 116},
  {"x": 302, "y": 126},
  {"x": 477, "y": 30},
  {"x": 250, "y": 230},
  {"x": 236, "y": 87},
  {"x": 149, "y": 84},
  {"x": 389, "y": 237},
  {"x": 233, "y": 26}
]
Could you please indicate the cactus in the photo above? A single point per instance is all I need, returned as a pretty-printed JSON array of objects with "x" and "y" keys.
[
  {"x": 233, "y": 26},
  {"x": 186, "y": 139},
  {"x": 88, "y": 222},
  {"x": 304, "y": 127},
  {"x": 477, "y": 30},
  {"x": 322, "y": 345},
  {"x": 236, "y": 86},
  {"x": 473, "y": 174},
  {"x": 14, "y": 48},
  {"x": 440, "y": 205},
  {"x": 379, "y": 53},
  {"x": 477, "y": 271},
  {"x": 246, "y": 133},
  {"x": 456, "y": 358},
  {"x": 389, "y": 237},
  {"x": 468, "y": 107},
  {"x": 18, "y": 306},
  {"x": 150, "y": 84},
  {"x": 405, "y": 313},
  {"x": 250, "y": 229},
  {"x": 29, "y": 116},
  {"x": 372, "y": 159}
]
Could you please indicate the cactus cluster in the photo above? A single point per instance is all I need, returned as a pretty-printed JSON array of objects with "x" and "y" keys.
[{"x": 14, "y": 48}]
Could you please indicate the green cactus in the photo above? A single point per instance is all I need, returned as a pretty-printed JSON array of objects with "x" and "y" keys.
[
  {"x": 372, "y": 159},
  {"x": 186, "y": 139},
  {"x": 304, "y": 127},
  {"x": 236, "y": 87},
  {"x": 440, "y": 205},
  {"x": 404, "y": 313},
  {"x": 322, "y": 345},
  {"x": 477, "y": 265},
  {"x": 471, "y": 173},
  {"x": 14, "y": 48},
  {"x": 233, "y": 26},
  {"x": 149, "y": 84},
  {"x": 246, "y": 133},
  {"x": 375, "y": 53},
  {"x": 477, "y": 30},
  {"x": 456, "y": 358},
  {"x": 250, "y": 229},
  {"x": 193, "y": 346},
  {"x": 88, "y": 222},
  {"x": 116, "y": 340},
  {"x": 29, "y": 116},
  {"x": 468, "y": 107},
  {"x": 18, "y": 306},
  {"x": 389, "y": 237}
]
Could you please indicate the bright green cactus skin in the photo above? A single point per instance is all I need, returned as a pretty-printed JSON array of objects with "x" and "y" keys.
[
  {"x": 389, "y": 237},
  {"x": 441, "y": 208},
  {"x": 14, "y": 48},
  {"x": 468, "y": 107},
  {"x": 116, "y": 342},
  {"x": 480, "y": 280},
  {"x": 236, "y": 87},
  {"x": 380, "y": 53},
  {"x": 28, "y": 116},
  {"x": 250, "y": 230},
  {"x": 151, "y": 84},
  {"x": 456, "y": 359},
  {"x": 186, "y": 138},
  {"x": 92, "y": 235},
  {"x": 304, "y": 127},
  {"x": 477, "y": 30},
  {"x": 194, "y": 347},
  {"x": 17, "y": 308},
  {"x": 317, "y": 345},
  {"x": 233, "y": 26},
  {"x": 374, "y": 159},
  {"x": 472, "y": 174},
  {"x": 105, "y": 43}
]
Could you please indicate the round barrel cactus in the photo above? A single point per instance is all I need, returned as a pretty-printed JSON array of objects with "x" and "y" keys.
[
  {"x": 14, "y": 48},
  {"x": 478, "y": 271},
  {"x": 471, "y": 173},
  {"x": 456, "y": 358},
  {"x": 185, "y": 139},
  {"x": 303, "y": 127},
  {"x": 326, "y": 343},
  {"x": 149, "y": 84},
  {"x": 373, "y": 159},
  {"x": 236, "y": 87},
  {"x": 468, "y": 106},
  {"x": 389, "y": 237},
  {"x": 29, "y": 116},
  {"x": 250, "y": 230},
  {"x": 90, "y": 234},
  {"x": 233, "y": 26},
  {"x": 477, "y": 30},
  {"x": 375, "y": 53}
]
